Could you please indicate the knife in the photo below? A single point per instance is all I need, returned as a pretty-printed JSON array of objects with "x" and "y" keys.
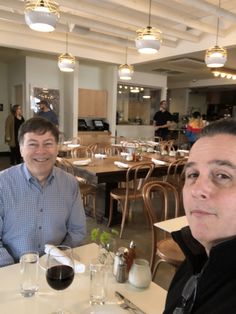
[{"x": 128, "y": 304}]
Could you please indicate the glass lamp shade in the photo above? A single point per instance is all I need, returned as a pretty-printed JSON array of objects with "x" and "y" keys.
[
  {"x": 66, "y": 62},
  {"x": 216, "y": 57},
  {"x": 41, "y": 16},
  {"x": 148, "y": 40},
  {"x": 125, "y": 72}
]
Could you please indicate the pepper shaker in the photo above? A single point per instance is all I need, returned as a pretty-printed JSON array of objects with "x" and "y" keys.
[{"x": 121, "y": 270}]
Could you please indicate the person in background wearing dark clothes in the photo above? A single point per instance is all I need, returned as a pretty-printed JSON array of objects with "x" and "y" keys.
[
  {"x": 205, "y": 282},
  {"x": 12, "y": 125},
  {"x": 162, "y": 121},
  {"x": 47, "y": 113}
]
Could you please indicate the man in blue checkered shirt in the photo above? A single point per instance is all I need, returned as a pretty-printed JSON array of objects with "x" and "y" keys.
[{"x": 39, "y": 203}]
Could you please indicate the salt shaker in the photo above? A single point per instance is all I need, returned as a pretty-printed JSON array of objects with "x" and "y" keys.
[{"x": 121, "y": 270}]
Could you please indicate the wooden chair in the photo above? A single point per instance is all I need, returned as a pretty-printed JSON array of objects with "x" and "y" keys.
[
  {"x": 132, "y": 190},
  {"x": 111, "y": 150},
  {"x": 87, "y": 190},
  {"x": 167, "y": 249},
  {"x": 81, "y": 152}
]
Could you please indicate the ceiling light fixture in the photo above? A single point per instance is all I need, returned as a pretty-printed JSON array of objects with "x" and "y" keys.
[
  {"x": 41, "y": 15},
  {"x": 149, "y": 38},
  {"x": 66, "y": 62},
  {"x": 216, "y": 56},
  {"x": 126, "y": 70},
  {"x": 224, "y": 73}
]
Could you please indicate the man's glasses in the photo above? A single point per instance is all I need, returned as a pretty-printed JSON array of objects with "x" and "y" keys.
[{"x": 188, "y": 295}]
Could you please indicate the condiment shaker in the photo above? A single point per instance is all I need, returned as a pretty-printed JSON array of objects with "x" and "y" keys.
[{"x": 121, "y": 270}]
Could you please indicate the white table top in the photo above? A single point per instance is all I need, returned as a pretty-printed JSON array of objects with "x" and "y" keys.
[
  {"x": 76, "y": 297},
  {"x": 172, "y": 224}
]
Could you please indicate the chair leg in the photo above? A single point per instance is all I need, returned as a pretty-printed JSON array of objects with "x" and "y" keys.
[
  {"x": 124, "y": 214},
  {"x": 110, "y": 212}
]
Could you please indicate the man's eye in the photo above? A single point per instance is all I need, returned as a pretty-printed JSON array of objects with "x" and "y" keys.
[
  {"x": 223, "y": 176},
  {"x": 49, "y": 144},
  {"x": 191, "y": 175},
  {"x": 32, "y": 145}
]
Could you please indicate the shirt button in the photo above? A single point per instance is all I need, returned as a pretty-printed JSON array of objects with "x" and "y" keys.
[{"x": 40, "y": 227}]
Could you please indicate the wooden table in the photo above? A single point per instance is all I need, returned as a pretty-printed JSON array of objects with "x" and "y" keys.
[
  {"x": 171, "y": 225},
  {"x": 76, "y": 297},
  {"x": 104, "y": 171}
]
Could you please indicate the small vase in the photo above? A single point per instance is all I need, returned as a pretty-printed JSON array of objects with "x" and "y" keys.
[{"x": 140, "y": 274}]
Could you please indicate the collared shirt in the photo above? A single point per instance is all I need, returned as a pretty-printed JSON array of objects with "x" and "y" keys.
[{"x": 32, "y": 215}]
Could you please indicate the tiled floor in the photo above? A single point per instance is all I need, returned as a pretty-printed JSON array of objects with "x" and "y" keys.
[{"x": 137, "y": 230}]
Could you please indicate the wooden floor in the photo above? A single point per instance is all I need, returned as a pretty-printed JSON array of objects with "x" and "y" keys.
[{"x": 137, "y": 230}]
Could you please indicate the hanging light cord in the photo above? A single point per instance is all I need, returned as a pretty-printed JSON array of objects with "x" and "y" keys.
[
  {"x": 66, "y": 42},
  {"x": 149, "y": 16},
  {"x": 217, "y": 27}
]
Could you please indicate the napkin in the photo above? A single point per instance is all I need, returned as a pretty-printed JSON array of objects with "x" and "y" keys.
[
  {"x": 100, "y": 156},
  {"x": 73, "y": 145},
  {"x": 82, "y": 162},
  {"x": 124, "y": 154},
  {"x": 121, "y": 164},
  {"x": 158, "y": 162},
  {"x": 62, "y": 258}
]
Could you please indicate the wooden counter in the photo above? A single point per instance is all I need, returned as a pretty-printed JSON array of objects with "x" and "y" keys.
[{"x": 93, "y": 137}]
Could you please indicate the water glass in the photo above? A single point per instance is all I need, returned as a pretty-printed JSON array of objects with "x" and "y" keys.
[
  {"x": 98, "y": 282},
  {"x": 29, "y": 269}
]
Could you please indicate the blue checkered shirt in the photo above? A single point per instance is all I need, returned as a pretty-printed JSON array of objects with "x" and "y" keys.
[{"x": 32, "y": 215}]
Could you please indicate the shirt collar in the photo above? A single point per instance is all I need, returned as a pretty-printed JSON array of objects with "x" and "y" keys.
[{"x": 29, "y": 176}]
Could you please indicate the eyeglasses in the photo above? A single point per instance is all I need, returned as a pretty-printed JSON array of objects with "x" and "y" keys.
[{"x": 188, "y": 295}]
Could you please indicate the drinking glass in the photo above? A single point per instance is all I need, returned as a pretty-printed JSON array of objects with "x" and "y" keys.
[{"x": 60, "y": 270}]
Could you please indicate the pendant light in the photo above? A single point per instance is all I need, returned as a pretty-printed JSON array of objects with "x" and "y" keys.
[
  {"x": 149, "y": 38},
  {"x": 41, "y": 15},
  {"x": 126, "y": 70},
  {"x": 216, "y": 56},
  {"x": 66, "y": 62}
]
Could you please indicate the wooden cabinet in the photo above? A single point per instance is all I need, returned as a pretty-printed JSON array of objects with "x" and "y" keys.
[
  {"x": 92, "y": 103},
  {"x": 93, "y": 137}
]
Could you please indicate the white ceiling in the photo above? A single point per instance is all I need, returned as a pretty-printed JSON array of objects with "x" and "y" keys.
[{"x": 102, "y": 29}]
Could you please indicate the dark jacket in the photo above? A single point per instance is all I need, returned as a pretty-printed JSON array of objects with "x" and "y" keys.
[{"x": 216, "y": 290}]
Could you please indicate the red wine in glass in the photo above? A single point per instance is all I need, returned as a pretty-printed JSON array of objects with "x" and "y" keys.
[
  {"x": 60, "y": 270},
  {"x": 60, "y": 277}
]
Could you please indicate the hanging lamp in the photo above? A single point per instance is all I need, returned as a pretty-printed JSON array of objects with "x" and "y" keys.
[
  {"x": 41, "y": 15},
  {"x": 216, "y": 56},
  {"x": 149, "y": 38},
  {"x": 126, "y": 70},
  {"x": 66, "y": 62}
]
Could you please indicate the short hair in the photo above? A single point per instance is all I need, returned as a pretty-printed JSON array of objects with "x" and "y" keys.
[
  {"x": 163, "y": 101},
  {"x": 222, "y": 126},
  {"x": 196, "y": 114},
  {"x": 43, "y": 102},
  {"x": 14, "y": 108},
  {"x": 38, "y": 125}
]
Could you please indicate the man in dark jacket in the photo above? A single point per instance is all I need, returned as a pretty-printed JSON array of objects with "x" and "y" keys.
[
  {"x": 162, "y": 121},
  {"x": 206, "y": 281}
]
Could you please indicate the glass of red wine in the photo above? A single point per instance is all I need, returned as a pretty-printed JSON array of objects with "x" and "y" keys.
[{"x": 60, "y": 270}]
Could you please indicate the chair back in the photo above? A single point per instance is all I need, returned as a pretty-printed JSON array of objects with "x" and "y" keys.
[
  {"x": 137, "y": 175},
  {"x": 81, "y": 152},
  {"x": 170, "y": 198},
  {"x": 65, "y": 165}
]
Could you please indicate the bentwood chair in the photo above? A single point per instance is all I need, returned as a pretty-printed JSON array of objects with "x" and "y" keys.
[
  {"x": 167, "y": 249},
  {"x": 81, "y": 152},
  {"x": 87, "y": 190},
  {"x": 136, "y": 177}
]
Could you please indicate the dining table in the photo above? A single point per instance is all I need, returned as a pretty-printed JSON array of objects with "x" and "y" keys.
[
  {"x": 173, "y": 224},
  {"x": 76, "y": 297},
  {"x": 104, "y": 170}
]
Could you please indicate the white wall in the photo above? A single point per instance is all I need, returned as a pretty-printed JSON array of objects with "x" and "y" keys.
[{"x": 5, "y": 102}]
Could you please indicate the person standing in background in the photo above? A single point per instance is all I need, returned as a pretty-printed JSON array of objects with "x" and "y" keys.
[
  {"x": 47, "y": 113},
  {"x": 162, "y": 121},
  {"x": 12, "y": 125},
  {"x": 194, "y": 127}
]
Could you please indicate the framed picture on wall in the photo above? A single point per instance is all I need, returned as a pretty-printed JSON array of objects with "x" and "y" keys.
[{"x": 1, "y": 107}]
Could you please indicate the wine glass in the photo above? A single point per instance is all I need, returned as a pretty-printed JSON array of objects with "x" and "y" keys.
[{"x": 60, "y": 270}]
